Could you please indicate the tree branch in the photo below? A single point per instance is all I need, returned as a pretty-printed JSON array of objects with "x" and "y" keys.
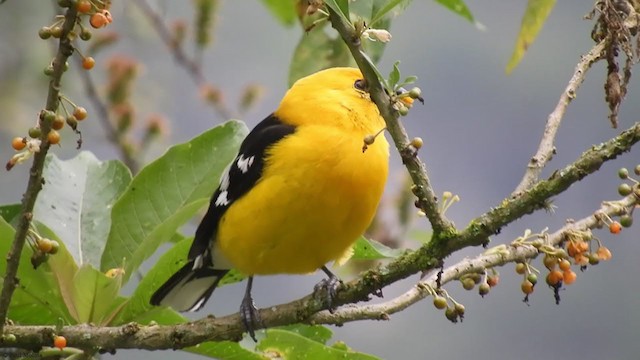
[
  {"x": 494, "y": 257},
  {"x": 547, "y": 149},
  {"x": 65, "y": 50},
  {"x": 427, "y": 199}
]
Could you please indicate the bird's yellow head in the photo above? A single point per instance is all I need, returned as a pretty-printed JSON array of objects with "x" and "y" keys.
[{"x": 333, "y": 97}]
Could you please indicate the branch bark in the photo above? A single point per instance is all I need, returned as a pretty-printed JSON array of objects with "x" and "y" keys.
[{"x": 65, "y": 50}]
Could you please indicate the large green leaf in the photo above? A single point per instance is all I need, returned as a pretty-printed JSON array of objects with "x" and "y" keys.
[
  {"x": 292, "y": 345},
  {"x": 534, "y": 17},
  {"x": 76, "y": 202},
  {"x": 167, "y": 193},
  {"x": 10, "y": 211},
  {"x": 37, "y": 299},
  {"x": 283, "y": 10}
]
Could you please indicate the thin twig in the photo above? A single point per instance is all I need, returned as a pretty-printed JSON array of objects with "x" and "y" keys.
[
  {"x": 103, "y": 115},
  {"x": 427, "y": 199},
  {"x": 546, "y": 149},
  {"x": 193, "y": 68},
  {"x": 65, "y": 50},
  {"x": 489, "y": 259}
]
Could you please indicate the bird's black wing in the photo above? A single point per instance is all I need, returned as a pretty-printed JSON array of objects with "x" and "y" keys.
[{"x": 242, "y": 174}]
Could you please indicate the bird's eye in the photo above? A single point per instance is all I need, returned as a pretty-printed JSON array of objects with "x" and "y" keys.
[{"x": 360, "y": 84}]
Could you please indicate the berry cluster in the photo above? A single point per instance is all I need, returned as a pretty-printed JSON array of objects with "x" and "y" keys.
[
  {"x": 41, "y": 247},
  {"x": 52, "y": 121}
]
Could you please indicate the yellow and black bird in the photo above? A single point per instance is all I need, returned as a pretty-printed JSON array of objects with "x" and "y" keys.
[{"x": 299, "y": 193}]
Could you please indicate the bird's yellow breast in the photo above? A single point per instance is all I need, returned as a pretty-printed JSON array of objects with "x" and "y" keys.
[{"x": 318, "y": 192}]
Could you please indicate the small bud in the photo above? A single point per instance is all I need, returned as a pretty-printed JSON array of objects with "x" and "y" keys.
[{"x": 377, "y": 35}]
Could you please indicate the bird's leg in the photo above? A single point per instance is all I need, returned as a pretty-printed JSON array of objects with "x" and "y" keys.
[
  {"x": 328, "y": 288},
  {"x": 248, "y": 311}
]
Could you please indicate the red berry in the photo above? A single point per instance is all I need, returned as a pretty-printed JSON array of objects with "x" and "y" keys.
[
  {"x": 88, "y": 63},
  {"x": 83, "y": 6},
  {"x": 60, "y": 342}
]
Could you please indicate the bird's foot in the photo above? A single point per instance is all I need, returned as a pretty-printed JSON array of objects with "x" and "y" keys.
[{"x": 327, "y": 289}]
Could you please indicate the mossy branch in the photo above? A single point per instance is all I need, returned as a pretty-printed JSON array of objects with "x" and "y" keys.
[{"x": 65, "y": 50}]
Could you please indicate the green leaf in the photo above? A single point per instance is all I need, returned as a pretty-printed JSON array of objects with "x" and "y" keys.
[
  {"x": 291, "y": 345},
  {"x": 10, "y": 211},
  {"x": 458, "y": 7},
  {"x": 311, "y": 54},
  {"x": 284, "y": 11},
  {"x": 381, "y": 8},
  {"x": 341, "y": 7},
  {"x": 408, "y": 80},
  {"x": 76, "y": 202},
  {"x": 94, "y": 294},
  {"x": 534, "y": 17},
  {"x": 394, "y": 76},
  {"x": 365, "y": 249},
  {"x": 37, "y": 299},
  {"x": 317, "y": 333},
  {"x": 166, "y": 194}
]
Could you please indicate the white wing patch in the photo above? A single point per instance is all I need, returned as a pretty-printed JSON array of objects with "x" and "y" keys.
[
  {"x": 222, "y": 199},
  {"x": 244, "y": 163},
  {"x": 224, "y": 181}
]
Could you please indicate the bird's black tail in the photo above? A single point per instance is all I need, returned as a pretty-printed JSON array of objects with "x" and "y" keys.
[{"x": 189, "y": 288}]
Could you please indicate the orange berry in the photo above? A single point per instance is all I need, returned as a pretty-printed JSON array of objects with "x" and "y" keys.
[
  {"x": 98, "y": 20},
  {"x": 582, "y": 246},
  {"x": 603, "y": 253},
  {"x": 521, "y": 268},
  {"x": 569, "y": 277},
  {"x": 554, "y": 277},
  {"x": 526, "y": 287},
  {"x": 44, "y": 245},
  {"x": 572, "y": 250},
  {"x": 53, "y": 137},
  {"x": 493, "y": 280},
  {"x": 18, "y": 143},
  {"x": 80, "y": 113},
  {"x": 58, "y": 122},
  {"x": 565, "y": 265},
  {"x": 615, "y": 227},
  {"x": 83, "y": 6},
  {"x": 88, "y": 63},
  {"x": 580, "y": 259},
  {"x": 60, "y": 342}
]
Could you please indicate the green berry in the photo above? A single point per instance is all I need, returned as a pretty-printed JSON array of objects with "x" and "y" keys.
[
  {"x": 48, "y": 70},
  {"x": 451, "y": 314},
  {"x": 468, "y": 284},
  {"x": 626, "y": 221},
  {"x": 624, "y": 189},
  {"x": 623, "y": 173},
  {"x": 44, "y": 33},
  {"x": 439, "y": 302},
  {"x": 72, "y": 122},
  {"x": 459, "y": 308},
  {"x": 415, "y": 93},
  {"x": 636, "y": 170},
  {"x": 35, "y": 132},
  {"x": 48, "y": 116},
  {"x": 403, "y": 110},
  {"x": 56, "y": 32},
  {"x": 532, "y": 278},
  {"x": 85, "y": 35},
  {"x": 484, "y": 289}
]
